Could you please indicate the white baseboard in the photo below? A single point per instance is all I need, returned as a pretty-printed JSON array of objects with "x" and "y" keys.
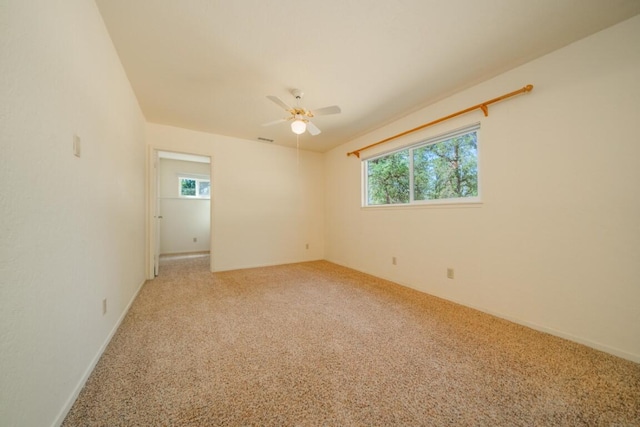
[
  {"x": 595, "y": 345},
  {"x": 172, "y": 254},
  {"x": 249, "y": 266},
  {"x": 85, "y": 376}
]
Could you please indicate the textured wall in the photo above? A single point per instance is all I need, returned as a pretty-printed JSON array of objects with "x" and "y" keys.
[
  {"x": 268, "y": 200},
  {"x": 556, "y": 242},
  {"x": 71, "y": 229},
  {"x": 183, "y": 219}
]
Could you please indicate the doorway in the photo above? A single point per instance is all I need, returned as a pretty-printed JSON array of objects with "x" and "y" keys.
[{"x": 180, "y": 205}]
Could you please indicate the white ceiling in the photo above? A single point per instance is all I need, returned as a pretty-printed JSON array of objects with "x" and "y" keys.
[{"x": 208, "y": 65}]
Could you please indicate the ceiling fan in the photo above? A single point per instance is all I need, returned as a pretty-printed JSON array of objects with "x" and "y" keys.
[{"x": 300, "y": 116}]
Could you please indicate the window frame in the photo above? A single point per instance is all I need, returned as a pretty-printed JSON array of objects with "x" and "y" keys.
[
  {"x": 198, "y": 179},
  {"x": 458, "y": 201}
]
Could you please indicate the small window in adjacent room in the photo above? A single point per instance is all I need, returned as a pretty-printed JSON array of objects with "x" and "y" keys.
[
  {"x": 198, "y": 188},
  {"x": 439, "y": 170}
]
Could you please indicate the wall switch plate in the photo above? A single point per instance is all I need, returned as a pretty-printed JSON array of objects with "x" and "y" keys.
[
  {"x": 450, "y": 274},
  {"x": 394, "y": 261},
  {"x": 306, "y": 246},
  {"x": 76, "y": 145},
  {"x": 195, "y": 239},
  {"x": 104, "y": 306}
]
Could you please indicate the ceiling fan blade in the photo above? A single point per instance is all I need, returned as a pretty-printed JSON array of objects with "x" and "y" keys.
[
  {"x": 313, "y": 129},
  {"x": 279, "y": 101},
  {"x": 275, "y": 122},
  {"x": 334, "y": 109}
]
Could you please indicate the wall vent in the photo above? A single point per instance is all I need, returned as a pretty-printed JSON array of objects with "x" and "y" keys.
[{"x": 264, "y": 139}]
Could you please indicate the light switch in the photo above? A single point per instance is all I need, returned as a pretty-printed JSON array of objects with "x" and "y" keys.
[{"x": 76, "y": 145}]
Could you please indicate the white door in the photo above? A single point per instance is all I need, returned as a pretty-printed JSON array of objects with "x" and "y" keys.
[{"x": 157, "y": 214}]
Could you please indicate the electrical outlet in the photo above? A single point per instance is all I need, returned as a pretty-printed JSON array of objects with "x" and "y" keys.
[
  {"x": 394, "y": 261},
  {"x": 450, "y": 274},
  {"x": 104, "y": 306}
]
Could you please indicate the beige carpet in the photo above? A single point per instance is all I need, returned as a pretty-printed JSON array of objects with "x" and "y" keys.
[{"x": 318, "y": 344}]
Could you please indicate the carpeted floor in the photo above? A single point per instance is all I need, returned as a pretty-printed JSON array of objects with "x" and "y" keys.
[{"x": 317, "y": 344}]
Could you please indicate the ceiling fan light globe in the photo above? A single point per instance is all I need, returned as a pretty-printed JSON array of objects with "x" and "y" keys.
[{"x": 298, "y": 127}]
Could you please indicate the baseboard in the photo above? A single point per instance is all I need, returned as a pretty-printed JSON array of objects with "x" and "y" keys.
[
  {"x": 249, "y": 266},
  {"x": 595, "y": 345},
  {"x": 592, "y": 344},
  {"x": 71, "y": 400},
  {"x": 184, "y": 253}
]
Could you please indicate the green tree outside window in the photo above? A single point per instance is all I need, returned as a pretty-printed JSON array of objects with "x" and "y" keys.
[
  {"x": 187, "y": 187},
  {"x": 446, "y": 168},
  {"x": 388, "y": 179}
]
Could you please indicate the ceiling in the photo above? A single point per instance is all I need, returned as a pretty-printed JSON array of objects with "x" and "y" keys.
[{"x": 208, "y": 65}]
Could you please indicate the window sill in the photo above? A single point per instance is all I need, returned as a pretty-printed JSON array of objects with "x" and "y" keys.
[{"x": 428, "y": 205}]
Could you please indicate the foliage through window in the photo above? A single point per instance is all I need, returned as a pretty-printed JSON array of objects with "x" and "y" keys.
[
  {"x": 195, "y": 187},
  {"x": 442, "y": 168}
]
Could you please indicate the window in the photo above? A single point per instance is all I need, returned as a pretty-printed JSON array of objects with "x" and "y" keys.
[
  {"x": 388, "y": 180},
  {"x": 194, "y": 187},
  {"x": 440, "y": 169}
]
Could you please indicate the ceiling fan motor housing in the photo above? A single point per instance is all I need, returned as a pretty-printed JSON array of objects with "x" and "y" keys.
[{"x": 300, "y": 116}]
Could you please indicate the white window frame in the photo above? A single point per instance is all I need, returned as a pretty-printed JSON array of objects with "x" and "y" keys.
[
  {"x": 429, "y": 141},
  {"x": 199, "y": 179}
]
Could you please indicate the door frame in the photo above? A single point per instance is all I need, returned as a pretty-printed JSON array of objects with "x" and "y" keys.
[{"x": 153, "y": 199}]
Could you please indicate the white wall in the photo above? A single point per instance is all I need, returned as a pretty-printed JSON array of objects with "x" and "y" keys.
[
  {"x": 268, "y": 201},
  {"x": 183, "y": 219},
  {"x": 556, "y": 242},
  {"x": 71, "y": 229}
]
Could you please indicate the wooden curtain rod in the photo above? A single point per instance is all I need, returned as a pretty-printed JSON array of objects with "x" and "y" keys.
[{"x": 483, "y": 106}]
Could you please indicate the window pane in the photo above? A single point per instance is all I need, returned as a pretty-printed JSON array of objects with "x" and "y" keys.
[
  {"x": 187, "y": 187},
  {"x": 388, "y": 179},
  {"x": 447, "y": 169},
  {"x": 203, "y": 189}
]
